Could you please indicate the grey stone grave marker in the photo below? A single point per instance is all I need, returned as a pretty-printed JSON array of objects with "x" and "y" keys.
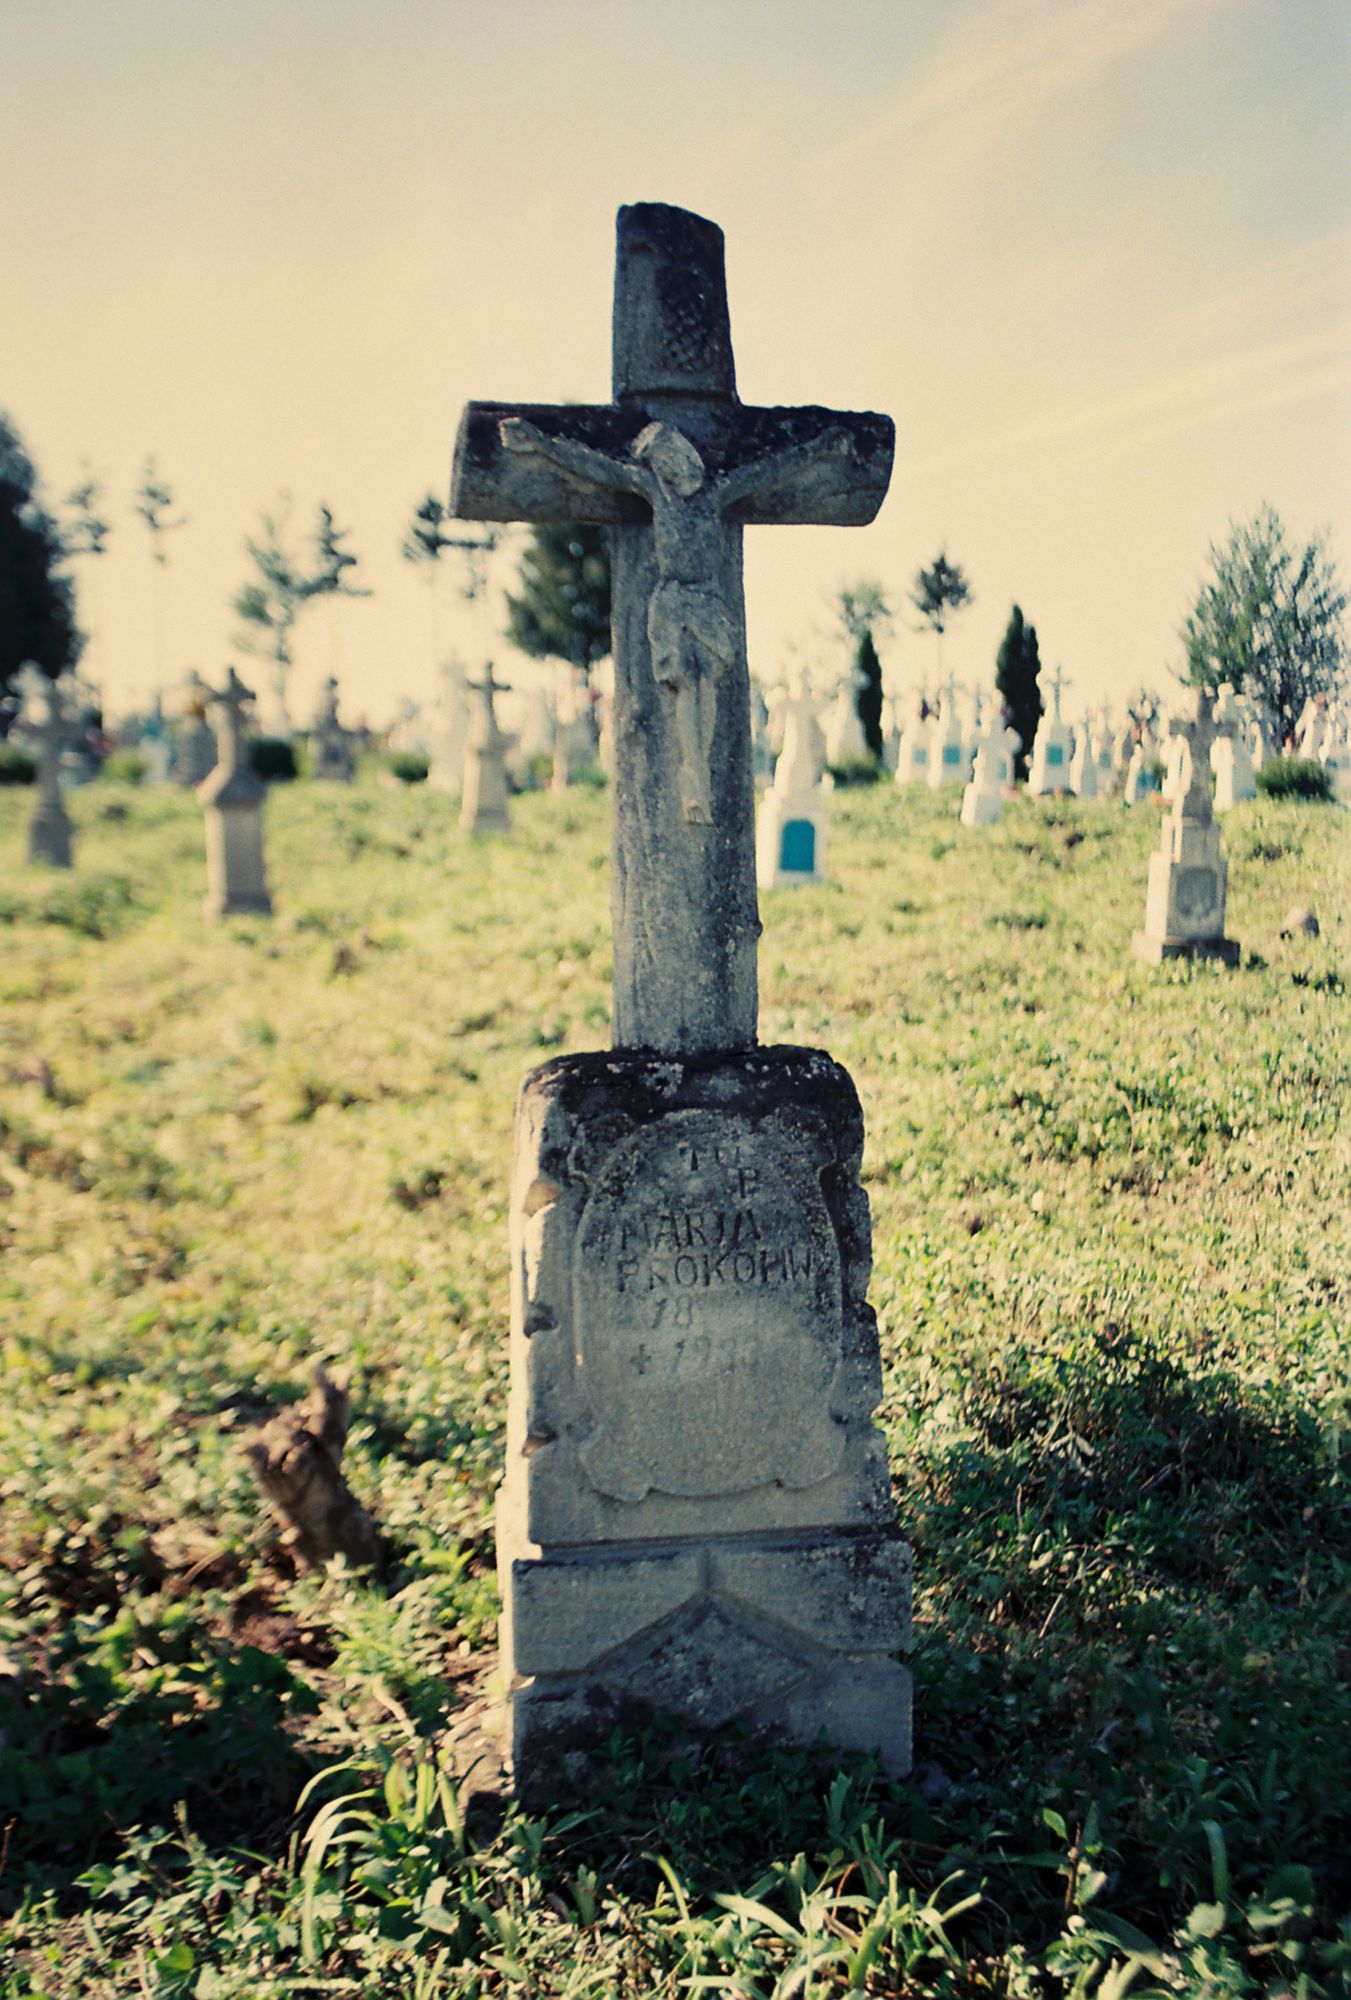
[
  {"x": 696, "y": 1514},
  {"x": 49, "y": 829},
  {"x": 483, "y": 802},
  {"x": 1188, "y": 875},
  {"x": 232, "y": 797}
]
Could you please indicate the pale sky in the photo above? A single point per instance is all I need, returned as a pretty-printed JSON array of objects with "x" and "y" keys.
[{"x": 1093, "y": 256}]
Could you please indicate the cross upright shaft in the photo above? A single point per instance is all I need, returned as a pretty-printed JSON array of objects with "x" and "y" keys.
[{"x": 676, "y": 466}]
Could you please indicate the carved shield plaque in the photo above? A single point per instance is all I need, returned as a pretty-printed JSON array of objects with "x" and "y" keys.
[
  {"x": 708, "y": 1314},
  {"x": 1196, "y": 893}
]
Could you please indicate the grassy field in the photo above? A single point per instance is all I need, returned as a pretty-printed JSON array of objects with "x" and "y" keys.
[{"x": 1112, "y": 1220}]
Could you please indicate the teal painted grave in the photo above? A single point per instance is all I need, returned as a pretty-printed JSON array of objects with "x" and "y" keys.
[{"x": 797, "y": 851}]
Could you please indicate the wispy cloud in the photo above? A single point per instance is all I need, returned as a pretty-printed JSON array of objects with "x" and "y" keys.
[
  {"x": 1221, "y": 389},
  {"x": 1007, "y": 62}
]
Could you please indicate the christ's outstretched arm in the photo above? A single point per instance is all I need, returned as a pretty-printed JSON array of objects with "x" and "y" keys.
[
  {"x": 760, "y": 473},
  {"x": 578, "y": 461}
]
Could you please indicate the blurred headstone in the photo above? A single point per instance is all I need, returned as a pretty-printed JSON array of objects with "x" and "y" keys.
[
  {"x": 232, "y": 798},
  {"x": 49, "y": 830},
  {"x": 483, "y": 802},
  {"x": 1188, "y": 876},
  {"x": 791, "y": 828}
]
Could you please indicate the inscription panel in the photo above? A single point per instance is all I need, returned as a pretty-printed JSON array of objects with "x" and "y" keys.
[
  {"x": 707, "y": 1313},
  {"x": 1196, "y": 892}
]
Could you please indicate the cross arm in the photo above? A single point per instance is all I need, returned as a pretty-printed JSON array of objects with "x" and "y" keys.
[
  {"x": 829, "y": 468},
  {"x": 491, "y": 481}
]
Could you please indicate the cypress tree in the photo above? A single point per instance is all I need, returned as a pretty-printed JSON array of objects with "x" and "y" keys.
[
  {"x": 868, "y": 700},
  {"x": 1017, "y": 669}
]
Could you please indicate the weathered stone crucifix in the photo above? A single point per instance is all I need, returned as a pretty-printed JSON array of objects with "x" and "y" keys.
[
  {"x": 676, "y": 466},
  {"x": 1198, "y": 732}
]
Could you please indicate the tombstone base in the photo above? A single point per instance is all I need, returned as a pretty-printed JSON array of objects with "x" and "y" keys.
[
  {"x": 49, "y": 841},
  {"x": 237, "y": 906},
  {"x": 790, "y": 839},
  {"x": 981, "y": 808},
  {"x": 789, "y": 1642},
  {"x": 696, "y": 1517},
  {"x": 1155, "y": 950}
]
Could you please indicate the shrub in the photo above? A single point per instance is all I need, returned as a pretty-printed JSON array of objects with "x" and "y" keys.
[
  {"x": 410, "y": 767},
  {"x": 1295, "y": 778},
  {"x": 855, "y": 771},
  {"x": 16, "y": 766},
  {"x": 273, "y": 758},
  {"x": 124, "y": 767}
]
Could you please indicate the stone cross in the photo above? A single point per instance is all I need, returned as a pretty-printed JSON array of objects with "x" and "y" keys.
[
  {"x": 676, "y": 466},
  {"x": 228, "y": 705},
  {"x": 483, "y": 801},
  {"x": 232, "y": 797},
  {"x": 1188, "y": 875},
  {"x": 1058, "y": 683},
  {"x": 1197, "y": 732},
  {"x": 49, "y": 831}
]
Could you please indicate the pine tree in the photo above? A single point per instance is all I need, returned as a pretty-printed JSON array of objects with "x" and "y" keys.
[
  {"x": 1017, "y": 670},
  {"x": 562, "y": 609}
]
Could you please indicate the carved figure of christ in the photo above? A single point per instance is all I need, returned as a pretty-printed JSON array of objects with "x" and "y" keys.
[
  {"x": 676, "y": 467},
  {"x": 693, "y": 622}
]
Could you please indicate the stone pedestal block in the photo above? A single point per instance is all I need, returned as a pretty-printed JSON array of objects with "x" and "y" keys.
[
  {"x": 696, "y": 1513},
  {"x": 1185, "y": 901},
  {"x": 483, "y": 804},
  {"x": 235, "y": 877},
  {"x": 49, "y": 840},
  {"x": 790, "y": 839}
]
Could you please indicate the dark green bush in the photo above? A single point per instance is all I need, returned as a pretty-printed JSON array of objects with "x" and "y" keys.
[
  {"x": 410, "y": 767},
  {"x": 1295, "y": 778},
  {"x": 16, "y": 766},
  {"x": 855, "y": 771},
  {"x": 273, "y": 758},
  {"x": 124, "y": 767}
]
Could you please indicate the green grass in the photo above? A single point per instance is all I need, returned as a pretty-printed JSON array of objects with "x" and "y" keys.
[{"x": 1113, "y": 1259}]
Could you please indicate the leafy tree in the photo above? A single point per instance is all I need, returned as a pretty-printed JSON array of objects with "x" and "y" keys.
[
  {"x": 84, "y": 533},
  {"x": 1016, "y": 675},
  {"x": 426, "y": 541},
  {"x": 1268, "y": 619},
  {"x": 154, "y": 502},
  {"x": 939, "y": 592},
  {"x": 270, "y": 605},
  {"x": 37, "y": 602},
  {"x": 562, "y": 610},
  {"x": 863, "y": 610}
]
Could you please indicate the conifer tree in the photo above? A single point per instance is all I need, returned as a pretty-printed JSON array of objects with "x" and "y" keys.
[
  {"x": 37, "y": 602},
  {"x": 1017, "y": 669},
  {"x": 562, "y": 608},
  {"x": 862, "y": 610}
]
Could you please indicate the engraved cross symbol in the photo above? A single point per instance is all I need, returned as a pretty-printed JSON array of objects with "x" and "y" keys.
[
  {"x": 1198, "y": 732},
  {"x": 676, "y": 466}
]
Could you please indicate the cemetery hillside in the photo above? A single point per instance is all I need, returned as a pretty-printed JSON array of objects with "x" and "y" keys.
[
  {"x": 1112, "y": 1256},
  {"x": 675, "y": 909}
]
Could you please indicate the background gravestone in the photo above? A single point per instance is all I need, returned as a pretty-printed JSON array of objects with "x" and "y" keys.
[
  {"x": 696, "y": 1512},
  {"x": 232, "y": 799},
  {"x": 790, "y": 841},
  {"x": 49, "y": 829},
  {"x": 1189, "y": 876}
]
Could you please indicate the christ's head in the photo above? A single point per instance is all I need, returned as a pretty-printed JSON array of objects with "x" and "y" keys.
[{"x": 672, "y": 457}]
